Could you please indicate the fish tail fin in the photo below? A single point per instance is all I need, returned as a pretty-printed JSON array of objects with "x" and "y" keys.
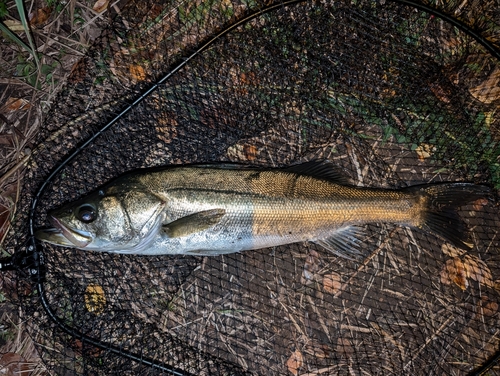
[{"x": 440, "y": 209}]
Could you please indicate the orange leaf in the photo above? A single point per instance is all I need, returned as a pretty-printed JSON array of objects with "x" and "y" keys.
[
  {"x": 479, "y": 203},
  {"x": 295, "y": 361},
  {"x": 453, "y": 271},
  {"x": 100, "y": 5},
  {"x": 332, "y": 283},
  {"x": 137, "y": 72},
  {"x": 15, "y": 104},
  {"x": 39, "y": 16}
]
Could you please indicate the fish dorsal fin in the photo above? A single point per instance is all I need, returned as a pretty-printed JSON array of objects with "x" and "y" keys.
[
  {"x": 193, "y": 223},
  {"x": 320, "y": 169},
  {"x": 345, "y": 242}
]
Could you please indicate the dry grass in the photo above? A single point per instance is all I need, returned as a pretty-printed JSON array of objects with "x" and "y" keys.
[{"x": 63, "y": 32}]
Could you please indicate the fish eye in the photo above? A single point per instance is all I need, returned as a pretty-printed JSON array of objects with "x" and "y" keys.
[{"x": 86, "y": 213}]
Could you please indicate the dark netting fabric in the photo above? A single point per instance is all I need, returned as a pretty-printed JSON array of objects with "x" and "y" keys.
[{"x": 392, "y": 94}]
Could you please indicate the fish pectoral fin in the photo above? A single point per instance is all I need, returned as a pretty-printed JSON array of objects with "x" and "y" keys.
[
  {"x": 193, "y": 223},
  {"x": 345, "y": 242}
]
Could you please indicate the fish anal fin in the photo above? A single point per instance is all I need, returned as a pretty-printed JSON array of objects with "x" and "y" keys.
[
  {"x": 345, "y": 242},
  {"x": 193, "y": 223},
  {"x": 320, "y": 169}
]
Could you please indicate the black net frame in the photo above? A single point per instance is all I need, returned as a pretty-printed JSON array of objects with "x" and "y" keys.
[{"x": 202, "y": 112}]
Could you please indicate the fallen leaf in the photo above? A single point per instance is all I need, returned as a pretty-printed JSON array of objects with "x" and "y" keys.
[
  {"x": 478, "y": 271},
  {"x": 137, "y": 72},
  {"x": 100, "y": 5},
  {"x": 489, "y": 90},
  {"x": 13, "y": 364},
  {"x": 295, "y": 361},
  {"x": 14, "y": 25},
  {"x": 452, "y": 251},
  {"x": 15, "y": 104},
  {"x": 454, "y": 271},
  {"x": 479, "y": 203},
  {"x": 39, "y": 16},
  {"x": 424, "y": 151},
  {"x": 95, "y": 300},
  {"x": 332, "y": 283}
]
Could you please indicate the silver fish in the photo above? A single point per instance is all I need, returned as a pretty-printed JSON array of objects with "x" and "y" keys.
[{"x": 218, "y": 209}]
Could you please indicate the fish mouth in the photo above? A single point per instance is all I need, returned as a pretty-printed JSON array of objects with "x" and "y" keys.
[{"x": 63, "y": 235}]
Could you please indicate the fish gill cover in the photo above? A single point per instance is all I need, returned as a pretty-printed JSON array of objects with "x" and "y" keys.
[{"x": 391, "y": 94}]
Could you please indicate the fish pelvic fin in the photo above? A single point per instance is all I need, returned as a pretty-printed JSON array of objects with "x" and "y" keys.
[
  {"x": 345, "y": 242},
  {"x": 440, "y": 205}
]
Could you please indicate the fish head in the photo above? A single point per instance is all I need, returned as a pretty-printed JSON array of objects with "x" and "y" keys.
[{"x": 119, "y": 221}]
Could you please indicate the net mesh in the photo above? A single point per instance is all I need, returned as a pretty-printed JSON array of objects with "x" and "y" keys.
[{"x": 392, "y": 94}]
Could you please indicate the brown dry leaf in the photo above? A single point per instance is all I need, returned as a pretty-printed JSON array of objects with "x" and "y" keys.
[
  {"x": 477, "y": 270},
  {"x": 39, "y": 16},
  {"x": 489, "y": 90},
  {"x": 95, "y": 300},
  {"x": 100, "y": 5},
  {"x": 137, "y": 72},
  {"x": 295, "y": 361},
  {"x": 452, "y": 251},
  {"x": 424, "y": 151},
  {"x": 15, "y": 104},
  {"x": 12, "y": 364},
  {"x": 479, "y": 203},
  {"x": 454, "y": 271},
  {"x": 332, "y": 283}
]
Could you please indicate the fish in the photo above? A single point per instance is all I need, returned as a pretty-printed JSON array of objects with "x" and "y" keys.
[{"x": 214, "y": 209}]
